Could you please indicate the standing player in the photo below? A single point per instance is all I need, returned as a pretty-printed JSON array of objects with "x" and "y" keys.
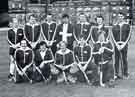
[
  {"x": 121, "y": 35},
  {"x": 65, "y": 32},
  {"x": 82, "y": 29},
  {"x": 102, "y": 51},
  {"x": 32, "y": 31},
  {"x": 15, "y": 35},
  {"x": 49, "y": 32}
]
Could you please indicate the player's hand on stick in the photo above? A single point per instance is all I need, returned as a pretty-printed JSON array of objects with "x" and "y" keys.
[
  {"x": 33, "y": 45},
  {"x": 15, "y": 46},
  {"x": 42, "y": 64},
  {"x": 49, "y": 43},
  {"x": 67, "y": 66},
  {"x": 81, "y": 67},
  {"x": 25, "y": 68},
  {"x": 122, "y": 46},
  {"x": 118, "y": 46},
  {"x": 60, "y": 66},
  {"x": 64, "y": 68},
  {"x": 101, "y": 50},
  {"x": 20, "y": 73}
]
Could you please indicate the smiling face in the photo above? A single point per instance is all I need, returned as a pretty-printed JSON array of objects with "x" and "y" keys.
[
  {"x": 43, "y": 47},
  {"x": 82, "y": 43},
  {"x": 63, "y": 46},
  {"x": 65, "y": 20},
  {"x": 120, "y": 17},
  {"x": 15, "y": 22},
  {"x": 99, "y": 20},
  {"x": 32, "y": 19},
  {"x": 23, "y": 43},
  {"x": 49, "y": 18}
]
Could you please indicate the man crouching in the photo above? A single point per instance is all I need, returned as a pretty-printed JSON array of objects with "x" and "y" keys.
[{"x": 64, "y": 66}]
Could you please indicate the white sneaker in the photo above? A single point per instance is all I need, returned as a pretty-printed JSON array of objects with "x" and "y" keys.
[
  {"x": 60, "y": 79},
  {"x": 102, "y": 85},
  {"x": 125, "y": 77},
  {"x": 10, "y": 77},
  {"x": 71, "y": 79}
]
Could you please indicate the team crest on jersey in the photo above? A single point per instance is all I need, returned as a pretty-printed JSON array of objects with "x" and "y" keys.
[
  {"x": 27, "y": 53},
  {"x": 85, "y": 52},
  {"x": 85, "y": 30}
]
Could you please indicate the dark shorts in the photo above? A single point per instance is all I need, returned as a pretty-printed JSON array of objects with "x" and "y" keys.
[{"x": 12, "y": 51}]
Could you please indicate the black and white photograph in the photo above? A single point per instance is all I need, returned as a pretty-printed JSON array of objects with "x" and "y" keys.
[{"x": 67, "y": 48}]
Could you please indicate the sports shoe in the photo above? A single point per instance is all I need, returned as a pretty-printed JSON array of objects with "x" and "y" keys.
[
  {"x": 10, "y": 77},
  {"x": 126, "y": 77},
  {"x": 71, "y": 79},
  {"x": 60, "y": 79},
  {"x": 116, "y": 77}
]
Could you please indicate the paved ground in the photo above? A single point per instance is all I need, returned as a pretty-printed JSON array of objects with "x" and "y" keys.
[{"x": 124, "y": 88}]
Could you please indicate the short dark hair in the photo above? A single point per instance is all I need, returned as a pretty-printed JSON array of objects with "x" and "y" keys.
[
  {"x": 24, "y": 40},
  {"x": 32, "y": 15},
  {"x": 12, "y": 19},
  {"x": 99, "y": 16},
  {"x": 49, "y": 14},
  {"x": 65, "y": 16},
  {"x": 121, "y": 13},
  {"x": 82, "y": 14},
  {"x": 124, "y": 15},
  {"x": 42, "y": 43},
  {"x": 62, "y": 42}
]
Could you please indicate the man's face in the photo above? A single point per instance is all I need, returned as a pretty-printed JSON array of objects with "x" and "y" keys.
[
  {"x": 15, "y": 22},
  {"x": 63, "y": 46},
  {"x": 120, "y": 17},
  {"x": 43, "y": 47},
  {"x": 49, "y": 18},
  {"x": 82, "y": 43},
  {"x": 32, "y": 19},
  {"x": 23, "y": 43},
  {"x": 65, "y": 20},
  {"x": 128, "y": 21},
  {"x": 82, "y": 18},
  {"x": 99, "y": 21}
]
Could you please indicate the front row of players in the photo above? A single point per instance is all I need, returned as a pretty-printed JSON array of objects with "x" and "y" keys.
[
  {"x": 73, "y": 61},
  {"x": 69, "y": 66}
]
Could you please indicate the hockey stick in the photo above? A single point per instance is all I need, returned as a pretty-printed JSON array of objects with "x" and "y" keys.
[
  {"x": 85, "y": 76},
  {"x": 101, "y": 72},
  {"x": 64, "y": 74},
  {"x": 39, "y": 72},
  {"x": 24, "y": 73}
]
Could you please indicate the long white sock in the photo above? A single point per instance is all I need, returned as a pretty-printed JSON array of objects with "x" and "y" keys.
[
  {"x": 101, "y": 79},
  {"x": 12, "y": 67}
]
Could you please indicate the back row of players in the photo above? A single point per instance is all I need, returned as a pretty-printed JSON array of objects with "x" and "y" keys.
[{"x": 68, "y": 52}]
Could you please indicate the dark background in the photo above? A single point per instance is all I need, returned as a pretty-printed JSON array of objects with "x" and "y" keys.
[{"x": 4, "y": 13}]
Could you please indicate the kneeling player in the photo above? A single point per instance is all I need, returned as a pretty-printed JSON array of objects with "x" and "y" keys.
[
  {"x": 83, "y": 57},
  {"x": 64, "y": 64},
  {"x": 23, "y": 61},
  {"x": 43, "y": 59}
]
